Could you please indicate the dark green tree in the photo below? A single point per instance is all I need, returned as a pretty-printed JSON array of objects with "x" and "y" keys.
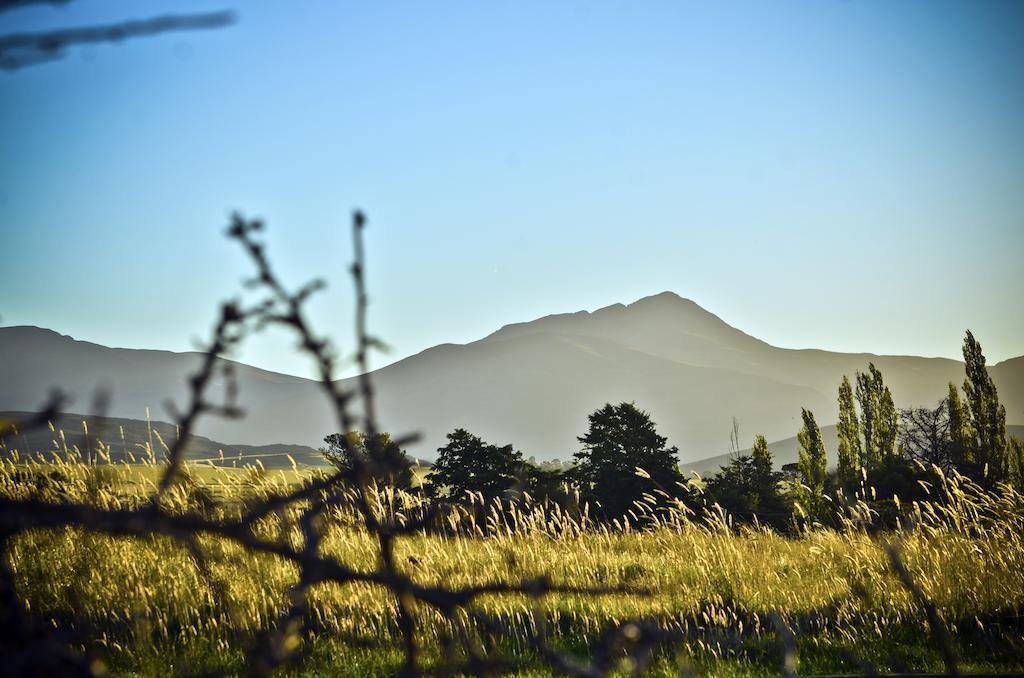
[
  {"x": 387, "y": 462},
  {"x": 467, "y": 464},
  {"x": 748, "y": 489},
  {"x": 623, "y": 457},
  {"x": 988, "y": 416},
  {"x": 848, "y": 428}
]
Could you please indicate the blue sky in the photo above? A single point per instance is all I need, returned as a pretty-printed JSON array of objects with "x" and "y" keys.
[{"x": 838, "y": 175}]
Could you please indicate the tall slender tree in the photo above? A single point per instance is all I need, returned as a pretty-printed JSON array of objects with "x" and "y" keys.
[
  {"x": 848, "y": 429},
  {"x": 812, "y": 466},
  {"x": 988, "y": 416},
  {"x": 878, "y": 420},
  {"x": 961, "y": 451},
  {"x": 868, "y": 413},
  {"x": 887, "y": 425},
  {"x": 813, "y": 458}
]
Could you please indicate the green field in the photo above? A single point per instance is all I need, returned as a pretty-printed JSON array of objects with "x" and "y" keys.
[{"x": 147, "y": 607}]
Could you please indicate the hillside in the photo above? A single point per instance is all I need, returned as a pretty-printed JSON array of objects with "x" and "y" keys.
[
  {"x": 532, "y": 384},
  {"x": 129, "y": 440}
]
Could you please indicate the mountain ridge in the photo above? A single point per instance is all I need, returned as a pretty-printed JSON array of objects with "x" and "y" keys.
[{"x": 531, "y": 383}]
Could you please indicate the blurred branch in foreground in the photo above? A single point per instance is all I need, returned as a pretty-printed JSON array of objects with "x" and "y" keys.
[{"x": 18, "y": 50}]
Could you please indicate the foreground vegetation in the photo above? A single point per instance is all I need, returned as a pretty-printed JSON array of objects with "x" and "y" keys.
[{"x": 153, "y": 605}]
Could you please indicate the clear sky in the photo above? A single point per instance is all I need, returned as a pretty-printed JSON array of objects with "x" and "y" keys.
[{"x": 839, "y": 175}]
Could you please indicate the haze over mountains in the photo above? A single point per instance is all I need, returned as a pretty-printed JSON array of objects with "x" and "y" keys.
[{"x": 531, "y": 384}]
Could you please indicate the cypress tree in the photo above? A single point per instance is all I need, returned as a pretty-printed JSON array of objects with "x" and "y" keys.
[{"x": 848, "y": 429}]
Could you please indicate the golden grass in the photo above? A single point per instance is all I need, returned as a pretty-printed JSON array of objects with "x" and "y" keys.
[{"x": 966, "y": 553}]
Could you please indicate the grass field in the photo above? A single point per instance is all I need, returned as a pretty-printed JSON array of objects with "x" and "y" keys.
[{"x": 149, "y": 607}]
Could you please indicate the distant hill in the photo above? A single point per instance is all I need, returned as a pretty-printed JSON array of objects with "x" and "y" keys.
[
  {"x": 787, "y": 452},
  {"x": 130, "y": 440},
  {"x": 531, "y": 384}
]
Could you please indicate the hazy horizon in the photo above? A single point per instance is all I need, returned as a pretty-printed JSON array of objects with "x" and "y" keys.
[{"x": 842, "y": 176}]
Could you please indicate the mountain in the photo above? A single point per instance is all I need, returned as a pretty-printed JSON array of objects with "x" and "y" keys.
[
  {"x": 132, "y": 440},
  {"x": 532, "y": 384}
]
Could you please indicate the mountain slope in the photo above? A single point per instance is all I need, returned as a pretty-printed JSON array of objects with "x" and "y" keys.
[
  {"x": 131, "y": 440},
  {"x": 532, "y": 384}
]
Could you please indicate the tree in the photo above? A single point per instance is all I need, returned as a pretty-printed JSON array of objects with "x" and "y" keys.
[
  {"x": 1015, "y": 449},
  {"x": 848, "y": 429},
  {"x": 878, "y": 417},
  {"x": 925, "y": 435},
  {"x": 389, "y": 464},
  {"x": 748, "y": 489},
  {"x": 868, "y": 412},
  {"x": 469, "y": 465},
  {"x": 623, "y": 457},
  {"x": 812, "y": 464},
  {"x": 988, "y": 416},
  {"x": 760, "y": 451},
  {"x": 960, "y": 448},
  {"x": 813, "y": 459}
]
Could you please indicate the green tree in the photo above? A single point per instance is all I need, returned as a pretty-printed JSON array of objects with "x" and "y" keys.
[
  {"x": 468, "y": 464},
  {"x": 760, "y": 451},
  {"x": 623, "y": 457},
  {"x": 813, "y": 460},
  {"x": 812, "y": 465},
  {"x": 386, "y": 461},
  {"x": 988, "y": 416},
  {"x": 848, "y": 429},
  {"x": 1015, "y": 449},
  {"x": 878, "y": 417},
  {"x": 961, "y": 450},
  {"x": 748, "y": 488}
]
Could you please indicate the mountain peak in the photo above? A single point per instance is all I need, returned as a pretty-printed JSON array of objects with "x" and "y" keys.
[{"x": 661, "y": 316}]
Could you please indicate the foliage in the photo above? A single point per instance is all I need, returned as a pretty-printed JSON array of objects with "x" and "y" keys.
[
  {"x": 749, "y": 490},
  {"x": 988, "y": 416},
  {"x": 623, "y": 458},
  {"x": 760, "y": 451},
  {"x": 877, "y": 418},
  {"x": 850, "y": 450},
  {"x": 159, "y": 610},
  {"x": 392, "y": 466},
  {"x": 925, "y": 435},
  {"x": 960, "y": 447},
  {"x": 468, "y": 465},
  {"x": 812, "y": 465}
]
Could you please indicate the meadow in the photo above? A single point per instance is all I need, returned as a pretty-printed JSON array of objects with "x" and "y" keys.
[{"x": 156, "y": 605}]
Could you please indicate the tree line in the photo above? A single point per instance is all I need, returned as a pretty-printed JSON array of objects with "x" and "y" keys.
[{"x": 884, "y": 455}]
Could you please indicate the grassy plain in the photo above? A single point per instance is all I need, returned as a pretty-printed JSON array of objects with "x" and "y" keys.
[{"x": 150, "y": 608}]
